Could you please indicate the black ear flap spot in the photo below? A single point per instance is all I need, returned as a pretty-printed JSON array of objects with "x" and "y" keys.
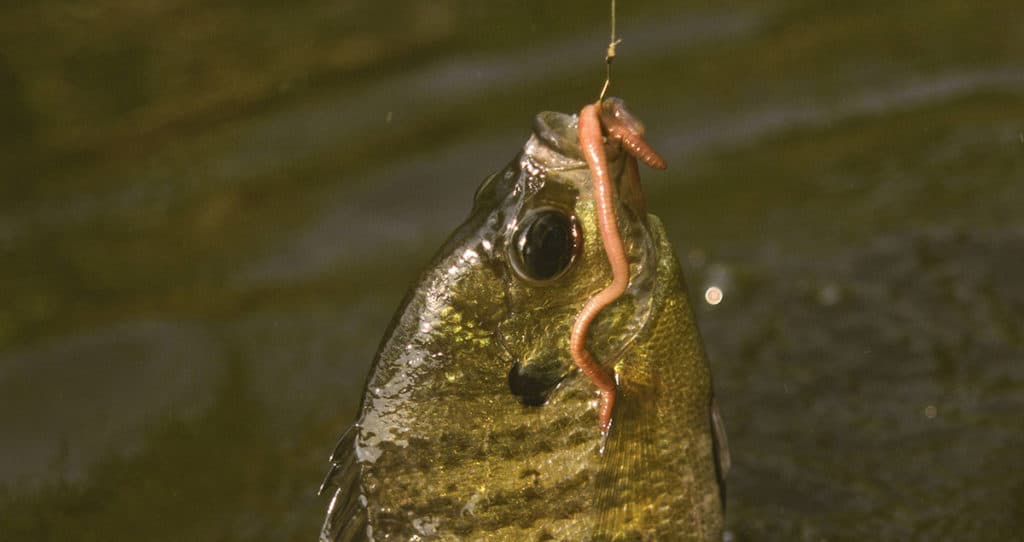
[{"x": 534, "y": 383}]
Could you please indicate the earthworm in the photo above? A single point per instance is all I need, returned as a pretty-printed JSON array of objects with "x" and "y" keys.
[
  {"x": 620, "y": 124},
  {"x": 624, "y": 127}
]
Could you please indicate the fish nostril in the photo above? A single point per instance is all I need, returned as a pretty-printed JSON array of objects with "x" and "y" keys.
[{"x": 532, "y": 386}]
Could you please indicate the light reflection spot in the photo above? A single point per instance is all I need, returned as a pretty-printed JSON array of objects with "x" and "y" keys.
[{"x": 713, "y": 295}]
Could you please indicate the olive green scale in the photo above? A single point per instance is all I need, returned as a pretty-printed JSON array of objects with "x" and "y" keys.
[{"x": 475, "y": 423}]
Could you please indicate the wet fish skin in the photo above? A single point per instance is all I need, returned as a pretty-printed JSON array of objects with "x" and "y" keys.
[{"x": 444, "y": 450}]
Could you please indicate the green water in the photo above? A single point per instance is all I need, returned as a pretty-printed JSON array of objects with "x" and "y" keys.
[{"x": 209, "y": 212}]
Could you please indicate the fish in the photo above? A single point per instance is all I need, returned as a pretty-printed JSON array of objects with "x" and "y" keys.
[{"x": 516, "y": 396}]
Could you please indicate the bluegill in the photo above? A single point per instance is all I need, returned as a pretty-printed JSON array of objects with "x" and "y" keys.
[{"x": 477, "y": 424}]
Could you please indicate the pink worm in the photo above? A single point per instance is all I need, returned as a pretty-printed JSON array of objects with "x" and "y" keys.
[{"x": 629, "y": 131}]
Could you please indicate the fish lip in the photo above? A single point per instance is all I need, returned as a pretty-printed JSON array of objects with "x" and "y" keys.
[
  {"x": 555, "y": 145},
  {"x": 559, "y": 132}
]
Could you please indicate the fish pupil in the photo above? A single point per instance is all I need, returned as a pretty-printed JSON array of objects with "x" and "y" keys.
[{"x": 545, "y": 244}]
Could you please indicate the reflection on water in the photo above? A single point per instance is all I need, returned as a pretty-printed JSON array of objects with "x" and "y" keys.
[{"x": 210, "y": 212}]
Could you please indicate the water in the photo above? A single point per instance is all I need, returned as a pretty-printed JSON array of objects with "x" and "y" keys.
[{"x": 209, "y": 213}]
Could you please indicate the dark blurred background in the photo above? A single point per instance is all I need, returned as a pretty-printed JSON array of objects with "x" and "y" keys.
[{"x": 209, "y": 212}]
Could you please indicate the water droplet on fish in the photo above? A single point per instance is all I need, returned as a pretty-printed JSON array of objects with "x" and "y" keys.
[{"x": 470, "y": 256}]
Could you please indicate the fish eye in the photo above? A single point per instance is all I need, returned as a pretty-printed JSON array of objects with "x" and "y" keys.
[{"x": 544, "y": 245}]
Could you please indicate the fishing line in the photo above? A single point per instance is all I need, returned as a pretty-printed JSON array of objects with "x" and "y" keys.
[{"x": 608, "y": 57}]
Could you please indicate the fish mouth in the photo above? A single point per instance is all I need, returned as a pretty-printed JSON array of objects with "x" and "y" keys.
[
  {"x": 533, "y": 383},
  {"x": 559, "y": 132}
]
